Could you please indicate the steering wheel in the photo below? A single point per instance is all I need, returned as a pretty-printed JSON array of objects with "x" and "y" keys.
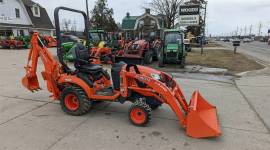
[{"x": 134, "y": 66}]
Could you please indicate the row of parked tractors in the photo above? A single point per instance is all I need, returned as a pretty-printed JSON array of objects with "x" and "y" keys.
[
  {"x": 170, "y": 48},
  {"x": 23, "y": 42}
]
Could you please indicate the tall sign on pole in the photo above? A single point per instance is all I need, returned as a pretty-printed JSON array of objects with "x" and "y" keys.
[{"x": 189, "y": 15}]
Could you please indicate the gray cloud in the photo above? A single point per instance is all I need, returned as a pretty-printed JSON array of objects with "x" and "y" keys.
[{"x": 223, "y": 15}]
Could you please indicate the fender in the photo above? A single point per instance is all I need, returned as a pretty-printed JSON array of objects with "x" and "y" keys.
[{"x": 72, "y": 79}]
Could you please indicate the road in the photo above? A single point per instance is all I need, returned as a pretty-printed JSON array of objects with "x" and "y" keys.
[{"x": 258, "y": 50}]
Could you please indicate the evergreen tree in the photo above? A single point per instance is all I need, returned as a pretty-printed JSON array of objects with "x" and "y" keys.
[{"x": 102, "y": 17}]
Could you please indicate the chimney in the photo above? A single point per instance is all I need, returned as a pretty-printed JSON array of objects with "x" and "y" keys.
[
  {"x": 147, "y": 10},
  {"x": 128, "y": 14}
]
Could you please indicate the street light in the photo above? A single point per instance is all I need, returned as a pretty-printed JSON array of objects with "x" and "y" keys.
[
  {"x": 204, "y": 23},
  {"x": 87, "y": 10}
]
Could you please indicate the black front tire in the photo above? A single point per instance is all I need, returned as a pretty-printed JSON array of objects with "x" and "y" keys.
[
  {"x": 84, "y": 103},
  {"x": 140, "y": 106}
]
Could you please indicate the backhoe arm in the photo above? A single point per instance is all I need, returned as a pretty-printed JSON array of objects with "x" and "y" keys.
[{"x": 51, "y": 72}]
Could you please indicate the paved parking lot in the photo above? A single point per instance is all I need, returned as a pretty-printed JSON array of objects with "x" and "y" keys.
[{"x": 33, "y": 122}]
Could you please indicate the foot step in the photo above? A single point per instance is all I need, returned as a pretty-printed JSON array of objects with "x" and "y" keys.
[{"x": 106, "y": 92}]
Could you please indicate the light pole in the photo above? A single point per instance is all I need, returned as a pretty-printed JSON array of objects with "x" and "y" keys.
[
  {"x": 204, "y": 25},
  {"x": 87, "y": 10}
]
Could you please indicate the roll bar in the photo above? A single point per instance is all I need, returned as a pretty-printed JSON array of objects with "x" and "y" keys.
[{"x": 66, "y": 69}]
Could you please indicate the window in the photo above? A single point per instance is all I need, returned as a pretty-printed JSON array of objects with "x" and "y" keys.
[
  {"x": 172, "y": 38},
  {"x": 36, "y": 11},
  {"x": 21, "y": 33},
  {"x": 17, "y": 11}
]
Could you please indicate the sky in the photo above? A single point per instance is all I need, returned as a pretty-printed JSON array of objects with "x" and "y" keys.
[{"x": 223, "y": 16}]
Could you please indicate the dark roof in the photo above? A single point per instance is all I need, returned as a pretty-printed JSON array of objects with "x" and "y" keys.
[
  {"x": 43, "y": 21},
  {"x": 128, "y": 22}
]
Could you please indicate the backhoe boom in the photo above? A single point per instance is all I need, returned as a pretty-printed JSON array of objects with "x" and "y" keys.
[{"x": 51, "y": 68}]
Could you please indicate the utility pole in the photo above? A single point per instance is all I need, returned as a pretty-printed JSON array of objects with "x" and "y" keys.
[
  {"x": 87, "y": 10},
  {"x": 241, "y": 30},
  {"x": 245, "y": 30},
  {"x": 260, "y": 28},
  {"x": 236, "y": 33},
  {"x": 250, "y": 30},
  {"x": 204, "y": 24}
]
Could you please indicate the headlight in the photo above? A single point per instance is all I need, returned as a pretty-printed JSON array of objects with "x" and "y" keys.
[{"x": 155, "y": 76}]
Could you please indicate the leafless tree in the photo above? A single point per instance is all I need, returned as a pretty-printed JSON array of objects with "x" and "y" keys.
[
  {"x": 66, "y": 24},
  {"x": 74, "y": 26},
  {"x": 168, "y": 8}
]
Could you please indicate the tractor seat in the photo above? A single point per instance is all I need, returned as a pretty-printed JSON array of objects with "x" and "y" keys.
[
  {"x": 82, "y": 57},
  {"x": 90, "y": 68}
]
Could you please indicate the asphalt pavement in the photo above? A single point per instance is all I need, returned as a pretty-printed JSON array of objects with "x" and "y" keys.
[
  {"x": 31, "y": 121},
  {"x": 259, "y": 50}
]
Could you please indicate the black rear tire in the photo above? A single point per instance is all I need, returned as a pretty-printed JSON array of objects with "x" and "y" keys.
[
  {"x": 148, "y": 57},
  {"x": 183, "y": 62},
  {"x": 160, "y": 59},
  {"x": 12, "y": 46},
  {"x": 84, "y": 104}
]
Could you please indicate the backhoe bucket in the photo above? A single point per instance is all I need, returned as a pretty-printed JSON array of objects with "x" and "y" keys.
[
  {"x": 31, "y": 82},
  {"x": 202, "y": 118}
]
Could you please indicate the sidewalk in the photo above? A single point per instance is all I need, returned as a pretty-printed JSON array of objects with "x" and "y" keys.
[{"x": 256, "y": 90}]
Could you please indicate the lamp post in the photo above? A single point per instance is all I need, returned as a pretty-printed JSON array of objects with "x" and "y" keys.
[
  {"x": 87, "y": 10},
  {"x": 204, "y": 25}
]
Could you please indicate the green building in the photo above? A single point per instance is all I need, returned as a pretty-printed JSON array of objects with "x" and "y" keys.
[{"x": 146, "y": 25}]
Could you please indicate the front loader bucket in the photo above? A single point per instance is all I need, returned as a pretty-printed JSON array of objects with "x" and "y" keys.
[
  {"x": 129, "y": 60},
  {"x": 31, "y": 82},
  {"x": 202, "y": 118}
]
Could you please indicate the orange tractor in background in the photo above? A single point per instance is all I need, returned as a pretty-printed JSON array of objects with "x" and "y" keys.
[
  {"x": 11, "y": 43},
  {"x": 105, "y": 49},
  {"x": 49, "y": 41},
  {"x": 136, "y": 52},
  {"x": 144, "y": 87}
]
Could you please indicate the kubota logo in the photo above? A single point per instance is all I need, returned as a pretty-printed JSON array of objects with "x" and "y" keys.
[
  {"x": 68, "y": 80},
  {"x": 142, "y": 78}
]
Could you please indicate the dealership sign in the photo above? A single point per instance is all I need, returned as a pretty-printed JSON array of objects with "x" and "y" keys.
[
  {"x": 4, "y": 18},
  {"x": 189, "y": 15}
]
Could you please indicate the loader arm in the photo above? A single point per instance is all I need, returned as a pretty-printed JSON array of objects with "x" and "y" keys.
[
  {"x": 51, "y": 68},
  {"x": 172, "y": 97},
  {"x": 199, "y": 118}
]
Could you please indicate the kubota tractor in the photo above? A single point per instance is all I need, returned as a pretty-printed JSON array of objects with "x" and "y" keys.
[
  {"x": 102, "y": 47},
  {"x": 11, "y": 44},
  {"x": 49, "y": 41},
  {"x": 138, "y": 52},
  {"x": 143, "y": 86}
]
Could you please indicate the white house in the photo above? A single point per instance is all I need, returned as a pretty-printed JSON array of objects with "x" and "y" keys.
[{"x": 19, "y": 17}]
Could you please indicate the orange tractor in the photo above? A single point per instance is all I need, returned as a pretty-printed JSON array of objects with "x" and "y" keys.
[
  {"x": 50, "y": 41},
  {"x": 146, "y": 88},
  {"x": 11, "y": 44},
  {"x": 136, "y": 52}
]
